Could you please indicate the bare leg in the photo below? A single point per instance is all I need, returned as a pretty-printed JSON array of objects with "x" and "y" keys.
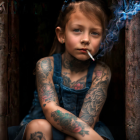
[{"x": 39, "y": 129}]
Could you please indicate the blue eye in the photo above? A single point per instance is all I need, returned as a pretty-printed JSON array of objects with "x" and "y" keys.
[
  {"x": 76, "y": 30},
  {"x": 94, "y": 33}
]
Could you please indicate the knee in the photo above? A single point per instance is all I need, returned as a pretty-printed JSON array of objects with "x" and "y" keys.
[
  {"x": 39, "y": 124},
  {"x": 37, "y": 127}
]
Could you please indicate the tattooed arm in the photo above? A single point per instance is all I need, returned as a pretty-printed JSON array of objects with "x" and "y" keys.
[
  {"x": 96, "y": 96},
  {"x": 60, "y": 118}
]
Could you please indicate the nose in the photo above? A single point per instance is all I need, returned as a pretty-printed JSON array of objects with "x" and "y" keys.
[{"x": 85, "y": 39}]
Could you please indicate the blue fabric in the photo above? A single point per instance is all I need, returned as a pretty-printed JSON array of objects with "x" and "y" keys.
[
  {"x": 16, "y": 132},
  {"x": 72, "y": 100},
  {"x": 103, "y": 130},
  {"x": 69, "y": 99}
]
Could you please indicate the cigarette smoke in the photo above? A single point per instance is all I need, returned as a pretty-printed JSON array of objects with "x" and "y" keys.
[{"x": 122, "y": 12}]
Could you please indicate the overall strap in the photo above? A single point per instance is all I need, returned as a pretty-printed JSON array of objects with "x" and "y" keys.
[
  {"x": 57, "y": 64},
  {"x": 90, "y": 72}
]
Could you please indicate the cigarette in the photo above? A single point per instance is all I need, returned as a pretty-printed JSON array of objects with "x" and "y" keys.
[{"x": 90, "y": 55}]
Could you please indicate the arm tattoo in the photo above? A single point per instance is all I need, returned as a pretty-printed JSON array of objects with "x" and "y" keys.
[
  {"x": 92, "y": 103},
  {"x": 77, "y": 85},
  {"x": 37, "y": 136},
  {"x": 47, "y": 93},
  {"x": 95, "y": 98},
  {"x": 69, "y": 122},
  {"x": 45, "y": 67}
]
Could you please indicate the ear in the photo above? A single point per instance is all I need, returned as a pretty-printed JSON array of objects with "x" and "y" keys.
[{"x": 60, "y": 35}]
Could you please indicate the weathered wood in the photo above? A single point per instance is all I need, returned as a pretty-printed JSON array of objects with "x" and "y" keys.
[
  {"x": 3, "y": 128},
  {"x": 13, "y": 64},
  {"x": 132, "y": 76},
  {"x": 9, "y": 68},
  {"x": 3, "y": 72}
]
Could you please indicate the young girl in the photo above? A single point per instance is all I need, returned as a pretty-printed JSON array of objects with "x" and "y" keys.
[{"x": 71, "y": 88}]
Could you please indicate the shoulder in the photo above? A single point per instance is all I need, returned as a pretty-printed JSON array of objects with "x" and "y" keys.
[
  {"x": 45, "y": 65},
  {"x": 101, "y": 72}
]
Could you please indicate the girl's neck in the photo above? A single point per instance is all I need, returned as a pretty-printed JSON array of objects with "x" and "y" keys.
[{"x": 73, "y": 64}]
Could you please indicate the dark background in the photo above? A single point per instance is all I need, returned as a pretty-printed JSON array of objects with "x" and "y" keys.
[{"x": 36, "y": 33}]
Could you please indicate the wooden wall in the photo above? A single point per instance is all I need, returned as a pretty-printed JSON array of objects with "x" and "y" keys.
[
  {"x": 132, "y": 77},
  {"x": 25, "y": 38},
  {"x": 3, "y": 73},
  {"x": 9, "y": 68}
]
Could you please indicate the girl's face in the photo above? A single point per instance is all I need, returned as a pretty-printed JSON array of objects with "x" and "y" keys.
[{"x": 81, "y": 34}]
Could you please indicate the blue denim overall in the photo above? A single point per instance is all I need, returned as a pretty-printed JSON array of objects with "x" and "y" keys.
[{"x": 69, "y": 99}]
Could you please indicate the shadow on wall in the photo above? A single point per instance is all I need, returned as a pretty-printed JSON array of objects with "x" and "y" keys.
[
  {"x": 113, "y": 113},
  {"x": 37, "y": 29}
]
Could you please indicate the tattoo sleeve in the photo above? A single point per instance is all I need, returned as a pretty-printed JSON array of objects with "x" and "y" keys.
[
  {"x": 45, "y": 86},
  {"x": 60, "y": 118},
  {"x": 95, "y": 97},
  {"x": 69, "y": 122}
]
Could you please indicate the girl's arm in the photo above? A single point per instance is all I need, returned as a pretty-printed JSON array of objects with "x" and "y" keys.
[
  {"x": 96, "y": 95},
  {"x": 60, "y": 118}
]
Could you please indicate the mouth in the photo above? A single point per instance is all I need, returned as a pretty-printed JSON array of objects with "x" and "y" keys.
[{"x": 84, "y": 50}]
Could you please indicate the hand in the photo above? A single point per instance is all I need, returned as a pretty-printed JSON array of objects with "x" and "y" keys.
[{"x": 69, "y": 138}]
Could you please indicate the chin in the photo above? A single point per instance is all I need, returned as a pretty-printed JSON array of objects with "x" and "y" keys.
[{"x": 82, "y": 58}]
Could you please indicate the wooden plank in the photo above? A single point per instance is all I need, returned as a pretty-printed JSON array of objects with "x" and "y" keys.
[
  {"x": 13, "y": 64},
  {"x": 3, "y": 65},
  {"x": 9, "y": 68},
  {"x": 3, "y": 72},
  {"x": 132, "y": 76},
  {"x": 3, "y": 128}
]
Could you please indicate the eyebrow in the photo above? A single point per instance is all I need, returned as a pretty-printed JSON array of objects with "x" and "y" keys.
[{"x": 94, "y": 28}]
